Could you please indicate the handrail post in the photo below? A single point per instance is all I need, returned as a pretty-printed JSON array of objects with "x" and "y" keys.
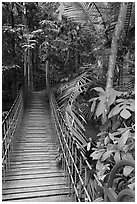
[
  {"x": 9, "y": 127},
  {"x": 75, "y": 173},
  {"x": 77, "y": 181}
]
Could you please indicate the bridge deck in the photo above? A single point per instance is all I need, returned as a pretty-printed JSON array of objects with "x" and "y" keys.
[{"x": 33, "y": 174}]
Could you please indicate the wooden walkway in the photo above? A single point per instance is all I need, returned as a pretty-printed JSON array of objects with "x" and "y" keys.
[{"x": 33, "y": 174}]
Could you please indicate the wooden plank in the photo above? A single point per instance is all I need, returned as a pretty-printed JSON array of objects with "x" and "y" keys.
[
  {"x": 19, "y": 153},
  {"x": 32, "y": 144},
  {"x": 33, "y": 176},
  {"x": 27, "y": 141},
  {"x": 62, "y": 198},
  {"x": 34, "y": 150},
  {"x": 33, "y": 171},
  {"x": 35, "y": 194},
  {"x": 32, "y": 168},
  {"x": 31, "y": 136},
  {"x": 33, "y": 182},
  {"x": 35, "y": 131},
  {"x": 31, "y": 157},
  {"x": 26, "y": 156},
  {"x": 34, "y": 189},
  {"x": 36, "y": 128},
  {"x": 34, "y": 165},
  {"x": 32, "y": 162}
]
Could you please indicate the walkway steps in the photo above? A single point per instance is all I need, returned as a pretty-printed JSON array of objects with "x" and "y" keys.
[{"x": 33, "y": 174}]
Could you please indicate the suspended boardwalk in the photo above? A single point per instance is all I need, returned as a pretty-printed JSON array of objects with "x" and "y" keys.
[{"x": 33, "y": 174}]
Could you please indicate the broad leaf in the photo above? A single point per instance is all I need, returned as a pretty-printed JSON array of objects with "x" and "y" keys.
[
  {"x": 125, "y": 114},
  {"x": 106, "y": 155},
  {"x": 120, "y": 100},
  {"x": 99, "y": 89},
  {"x": 101, "y": 106},
  {"x": 97, "y": 154},
  {"x": 93, "y": 106},
  {"x": 106, "y": 140},
  {"x": 127, "y": 170},
  {"x": 117, "y": 157},
  {"x": 100, "y": 199},
  {"x": 111, "y": 99},
  {"x": 129, "y": 156},
  {"x": 112, "y": 96},
  {"x": 115, "y": 110},
  {"x": 123, "y": 139},
  {"x": 132, "y": 186},
  {"x": 93, "y": 99}
]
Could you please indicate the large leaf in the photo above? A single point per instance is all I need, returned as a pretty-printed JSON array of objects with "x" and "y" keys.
[
  {"x": 93, "y": 106},
  {"x": 101, "y": 106},
  {"x": 112, "y": 96},
  {"x": 115, "y": 110},
  {"x": 99, "y": 89},
  {"x": 125, "y": 114},
  {"x": 117, "y": 157},
  {"x": 123, "y": 139},
  {"x": 127, "y": 170},
  {"x": 97, "y": 154},
  {"x": 122, "y": 108},
  {"x": 106, "y": 155}
]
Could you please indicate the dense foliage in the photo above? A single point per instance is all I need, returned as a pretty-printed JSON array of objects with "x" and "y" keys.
[{"x": 91, "y": 51}]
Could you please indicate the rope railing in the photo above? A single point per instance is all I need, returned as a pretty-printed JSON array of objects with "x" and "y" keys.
[
  {"x": 9, "y": 126},
  {"x": 79, "y": 173},
  {"x": 74, "y": 163}
]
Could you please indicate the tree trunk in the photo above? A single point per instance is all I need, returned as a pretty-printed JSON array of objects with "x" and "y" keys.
[
  {"x": 114, "y": 49},
  {"x": 114, "y": 45},
  {"x": 12, "y": 25},
  {"x": 47, "y": 69}
]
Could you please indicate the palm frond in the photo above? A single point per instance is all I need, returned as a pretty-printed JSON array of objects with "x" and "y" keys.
[
  {"x": 85, "y": 13},
  {"x": 71, "y": 90},
  {"x": 86, "y": 110},
  {"x": 76, "y": 127}
]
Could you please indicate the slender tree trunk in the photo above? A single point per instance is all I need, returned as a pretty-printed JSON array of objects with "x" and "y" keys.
[
  {"x": 28, "y": 57},
  {"x": 114, "y": 49},
  {"x": 29, "y": 70},
  {"x": 13, "y": 25},
  {"x": 47, "y": 69},
  {"x": 114, "y": 46}
]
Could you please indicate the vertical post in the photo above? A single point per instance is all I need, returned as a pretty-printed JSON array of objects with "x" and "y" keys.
[
  {"x": 25, "y": 54},
  {"x": 27, "y": 66},
  {"x": 80, "y": 188},
  {"x": 72, "y": 168},
  {"x": 47, "y": 69},
  {"x": 29, "y": 69},
  {"x": 75, "y": 176},
  {"x": 86, "y": 181}
]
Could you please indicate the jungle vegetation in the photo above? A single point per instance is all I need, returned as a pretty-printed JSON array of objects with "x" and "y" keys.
[{"x": 90, "y": 48}]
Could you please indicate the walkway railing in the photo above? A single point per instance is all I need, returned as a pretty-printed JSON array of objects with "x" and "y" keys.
[
  {"x": 80, "y": 175},
  {"x": 9, "y": 126},
  {"x": 75, "y": 164}
]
